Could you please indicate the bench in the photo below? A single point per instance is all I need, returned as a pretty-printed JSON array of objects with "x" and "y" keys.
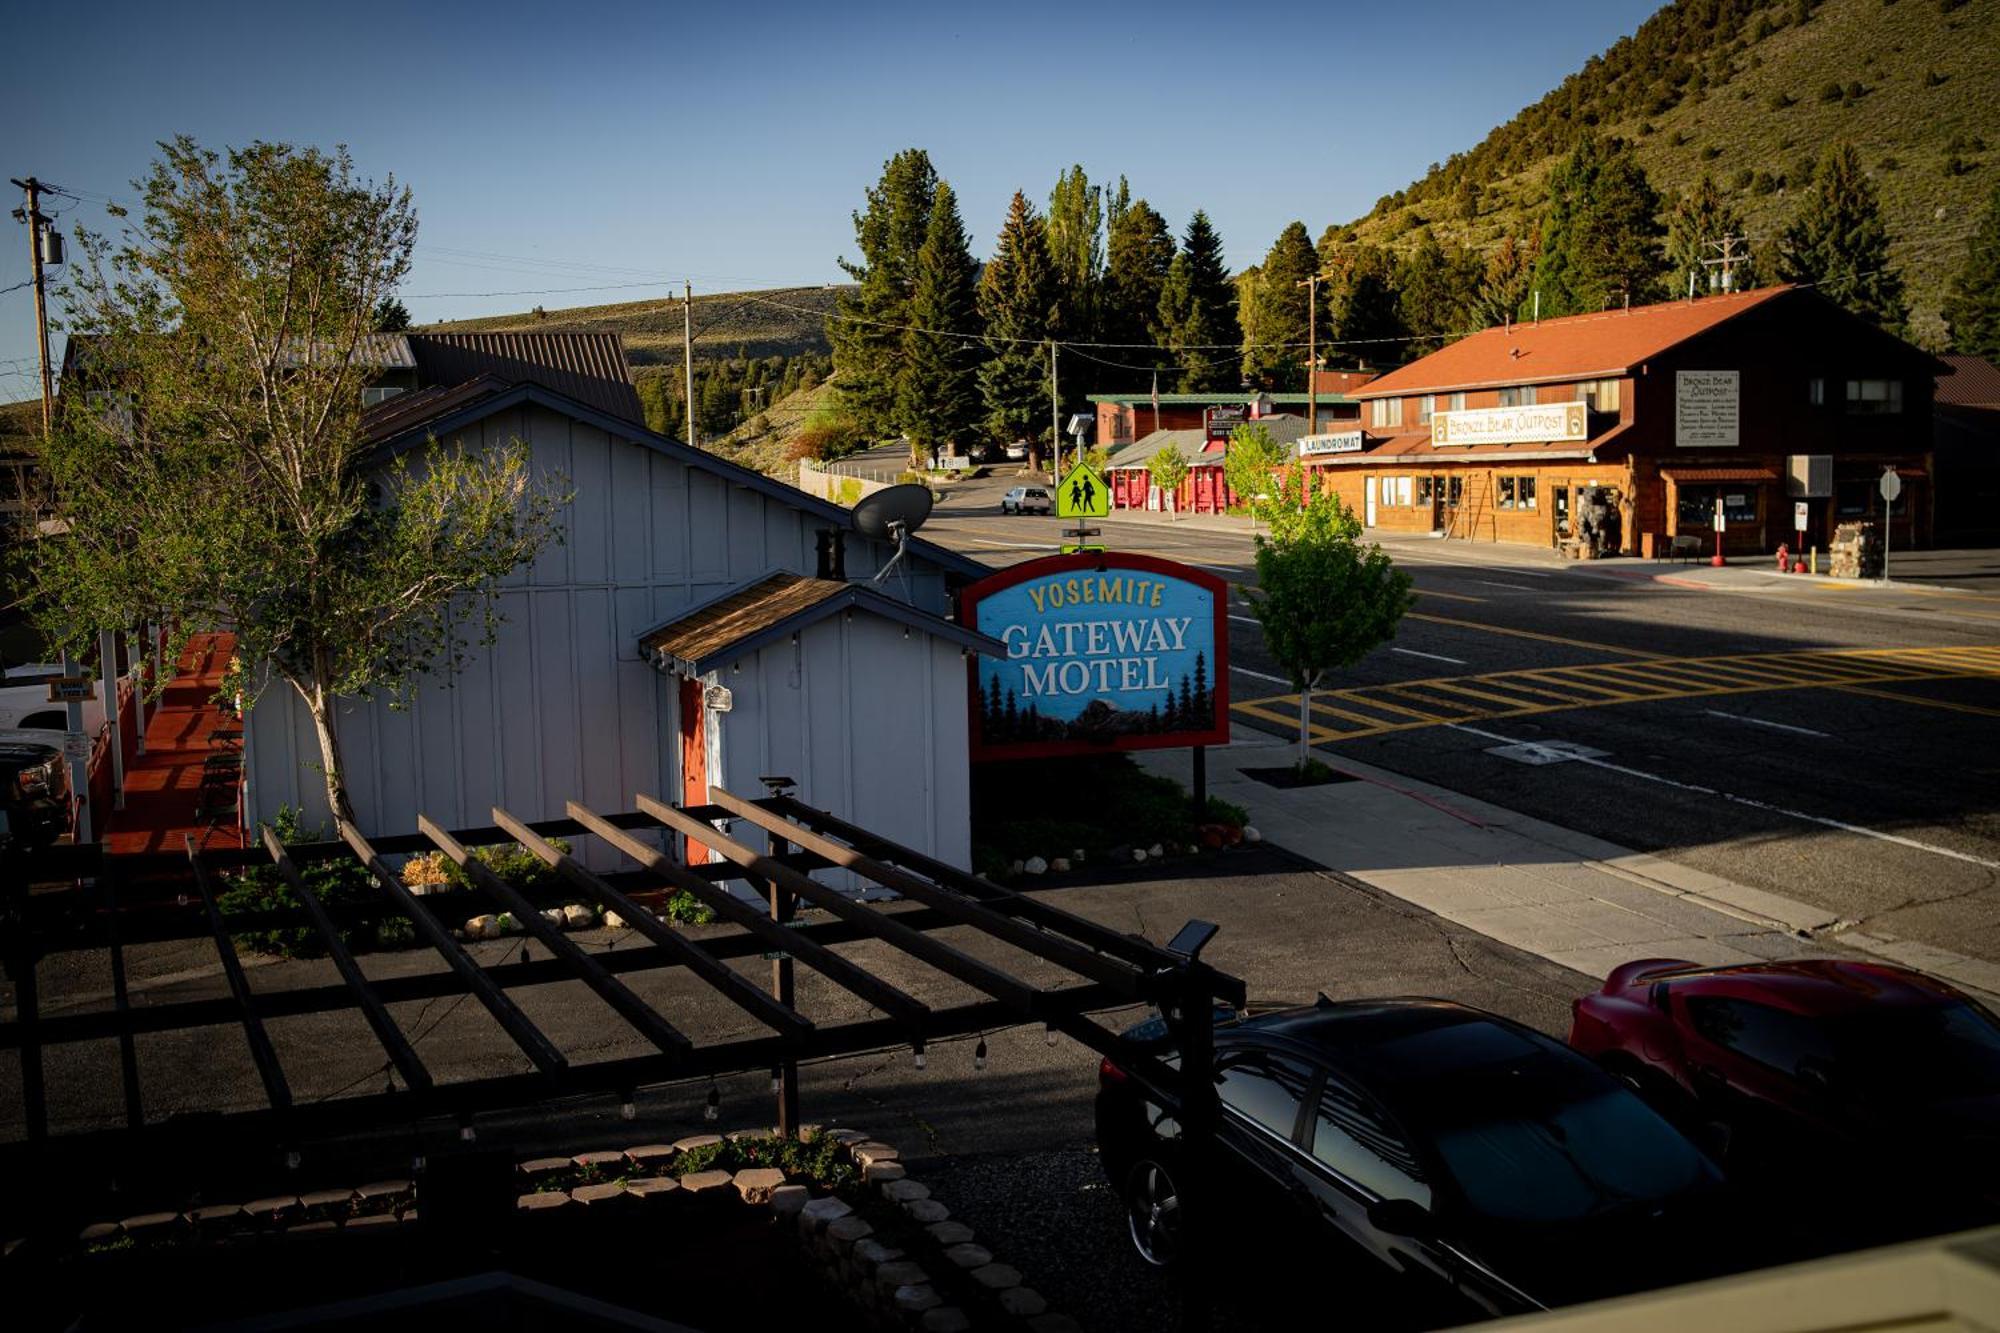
[{"x": 1686, "y": 547}]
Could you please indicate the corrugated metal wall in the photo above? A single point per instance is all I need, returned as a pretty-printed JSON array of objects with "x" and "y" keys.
[{"x": 561, "y": 705}]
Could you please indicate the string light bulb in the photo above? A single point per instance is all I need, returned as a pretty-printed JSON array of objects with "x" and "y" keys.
[
  {"x": 627, "y": 1108},
  {"x": 1049, "y": 1034},
  {"x": 777, "y": 1079},
  {"x": 466, "y": 1133},
  {"x": 979, "y": 1055},
  {"x": 712, "y": 1111},
  {"x": 292, "y": 1160},
  {"x": 918, "y": 1054}
]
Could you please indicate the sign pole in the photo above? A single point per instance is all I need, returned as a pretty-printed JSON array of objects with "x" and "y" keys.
[{"x": 1891, "y": 486}]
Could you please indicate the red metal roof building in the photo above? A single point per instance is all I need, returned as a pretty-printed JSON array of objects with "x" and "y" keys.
[{"x": 1680, "y": 409}]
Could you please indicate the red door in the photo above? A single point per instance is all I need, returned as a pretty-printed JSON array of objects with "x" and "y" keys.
[{"x": 694, "y": 759}]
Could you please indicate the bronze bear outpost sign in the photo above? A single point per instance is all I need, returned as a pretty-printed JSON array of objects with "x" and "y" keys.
[{"x": 1104, "y": 651}]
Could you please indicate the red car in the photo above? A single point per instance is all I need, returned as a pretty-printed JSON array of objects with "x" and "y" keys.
[{"x": 1865, "y": 1078}]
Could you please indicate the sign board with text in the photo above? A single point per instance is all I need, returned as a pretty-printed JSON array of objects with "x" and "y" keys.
[
  {"x": 1338, "y": 442},
  {"x": 71, "y": 689},
  {"x": 1799, "y": 509},
  {"x": 1105, "y": 651},
  {"x": 1532, "y": 423},
  {"x": 1706, "y": 408}
]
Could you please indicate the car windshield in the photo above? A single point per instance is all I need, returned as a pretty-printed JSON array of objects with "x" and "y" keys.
[
  {"x": 1542, "y": 1140},
  {"x": 1930, "y": 1054}
]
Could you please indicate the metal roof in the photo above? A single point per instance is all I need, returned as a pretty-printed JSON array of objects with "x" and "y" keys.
[
  {"x": 589, "y": 367},
  {"x": 1214, "y": 399},
  {"x": 1192, "y": 441},
  {"x": 1974, "y": 382}
]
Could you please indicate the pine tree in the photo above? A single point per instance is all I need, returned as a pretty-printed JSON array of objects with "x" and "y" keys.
[
  {"x": 1140, "y": 253},
  {"x": 1437, "y": 290},
  {"x": 1276, "y": 315},
  {"x": 1076, "y": 253},
  {"x": 1837, "y": 240},
  {"x": 1203, "y": 712},
  {"x": 938, "y": 400},
  {"x": 1364, "y": 320},
  {"x": 1198, "y": 311},
  {"x": 1972, "y": 308},
  {"x": 1699, "y": 218},
  {"x": 866, "y": 330},
  {"x": 1600, "y": 238},
  {"x": 1017, "y": 294},
  {"x": 1510, "y": 270}
]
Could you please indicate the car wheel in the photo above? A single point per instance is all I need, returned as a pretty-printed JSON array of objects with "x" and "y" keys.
[{"x": 1153, "y": 1212}]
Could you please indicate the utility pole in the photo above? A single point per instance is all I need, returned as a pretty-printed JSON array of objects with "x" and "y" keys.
[
  {"x": 1722, "y": 269},
  {"x": 1055, "y": 414},
  {"x": 1311, "y": 285},
  {"x": 687, "y": 353},
  {"x": 32, "y": 215}
]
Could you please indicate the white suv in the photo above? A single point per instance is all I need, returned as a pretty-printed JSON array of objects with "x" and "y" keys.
[{"x": 1027, "y": 500}]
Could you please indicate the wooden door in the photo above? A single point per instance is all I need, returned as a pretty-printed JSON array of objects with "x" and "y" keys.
[{"x": 694, "y": 758}]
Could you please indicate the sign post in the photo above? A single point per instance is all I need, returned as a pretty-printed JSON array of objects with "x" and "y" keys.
[
  {"x": 1721, "y": 526},
  {"x": 1799, "y": 510},
  {"x": 1891, "y": 487}
]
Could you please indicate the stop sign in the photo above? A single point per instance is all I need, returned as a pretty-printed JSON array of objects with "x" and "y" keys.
[{"x": 1892, "y": 485}]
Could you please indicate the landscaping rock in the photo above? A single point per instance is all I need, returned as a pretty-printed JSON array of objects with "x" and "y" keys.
[
  {"x": 1138, "y": 856},
  {"x": 946, "y": 1319},
  {"x": 968, "y": 1255},
  {"x": 926, "y": 1211},
  {"x": 949, "y": 1233},
  {"x": 613, "y": 921},
  {"x": 1017, "y": 867},
  {"x": 554, "y": 916},
  {"x": 653, "y": 1189},
  {"x": 849, "y": 1136},
  {"x": 273, "y": 1210},
  {"x": 843, "y": 1232},
  {"x": 485, "y": 927},
  {"x": 372, "y": 1220},
  {"x": 816, "y": 1216},
  {"x": 879, "y": 1173},
  {"x": 706, "y": 1185},
  {"x": 1077, "y": 856},
  {"x": 787, "y": 1200},
  {"x": 912, "y": 1299},
  {"x": 1035, "y": 865},
  {"x": 1054, "y": 1323},
  {"x": 97, "y": 1231},
  {"x": 1251, "y": 835},
  {"x": 756, "y": 1185},
  {"x": 650, "y": 1156},
  {"x": 870, "y": 1253},
  {"x": 598, "y": 1196},
  {"x": 905, "y": 1191},
  {"x": 544, "y": 1202},
  {"x": 320, "y": 1203},
  {"x": 576, "y": 916},
  {"x": 1022, "y": 1302},
  {"x": 376, "y": 1190},
  {"x": 997, "y": 1277},
  {"x": 1156, "y": 851},
  {"x": 900, "y": 1273},
  {"x": 1060, "y": 865},
  {"x": 603, "y": 1161},
  {"x": 543, "y": 1166},
  {"x": 692, "y": 1142},
  {"x": 869, "y": 1153}
]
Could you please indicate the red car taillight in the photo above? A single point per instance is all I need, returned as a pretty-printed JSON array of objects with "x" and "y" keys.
[{"x": 1110, "y": 1073}]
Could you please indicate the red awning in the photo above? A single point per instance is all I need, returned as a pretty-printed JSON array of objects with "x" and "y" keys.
[{"x": 1685, "y": 474}]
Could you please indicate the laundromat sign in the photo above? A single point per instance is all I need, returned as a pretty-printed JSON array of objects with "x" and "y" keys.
[{"x": 1104, "y": 651}]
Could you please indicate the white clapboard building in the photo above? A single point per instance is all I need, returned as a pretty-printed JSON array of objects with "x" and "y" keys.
[{"x": 699, "y": 623}]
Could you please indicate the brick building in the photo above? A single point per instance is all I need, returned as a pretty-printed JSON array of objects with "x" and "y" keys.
[{"x": 1742, "y": 403}]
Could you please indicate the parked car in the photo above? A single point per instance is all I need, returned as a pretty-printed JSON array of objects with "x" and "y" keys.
[
  {"x": 1027, "y": 500},
  {"x": 1467, "y": 1163},
  {"x": 1017, "y": 452},
  {"x": 34, "y": 794},
  {"x": 24, "y": 701},
  {"x": 1795, "y": 1064}
]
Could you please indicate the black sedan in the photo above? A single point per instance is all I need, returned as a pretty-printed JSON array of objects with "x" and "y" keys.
[{"x": 1484, "y": 1167}]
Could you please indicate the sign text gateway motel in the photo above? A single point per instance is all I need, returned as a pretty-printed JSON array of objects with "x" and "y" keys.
[{"x": 1104, "y": 651}]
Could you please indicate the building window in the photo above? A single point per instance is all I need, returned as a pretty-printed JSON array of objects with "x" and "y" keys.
[
  {"x": 1458, "y": 401},
  {"x": 1524, "y": 491},
  {"x": 380, "y": 394},
  {"x": 1426, "y": 406},
  {"x": 1602, "y": 395},
  {"x": 1506, "y": 500},
  {"x": 1455, "y": 490},
  {"x": 1424, "y": 490},
  {"x": 1696, "y": 505},
  {"x": 1402, "y": 490},
  {"x": 1874, "y": 397},
  {"x": 1388, "y": 412},
  {"x": 1519, "y": 396},
  {"x": 1816, "y": 391}
]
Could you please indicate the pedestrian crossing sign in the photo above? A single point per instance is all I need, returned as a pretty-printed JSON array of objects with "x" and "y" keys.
[{"x": 1083, "y": 494}]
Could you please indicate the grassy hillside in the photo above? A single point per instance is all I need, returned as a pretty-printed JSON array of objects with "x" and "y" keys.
[
  {"x": 762, "y": 441},
  {"x": 785, "y": 321},
  {"x": 1745, "y": 92}
]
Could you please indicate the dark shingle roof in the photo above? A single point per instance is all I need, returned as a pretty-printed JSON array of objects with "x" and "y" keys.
[{"x": 1974, "y": 382}]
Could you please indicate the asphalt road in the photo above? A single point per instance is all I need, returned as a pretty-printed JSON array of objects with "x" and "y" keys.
[{"x": 1831, "y": 743}]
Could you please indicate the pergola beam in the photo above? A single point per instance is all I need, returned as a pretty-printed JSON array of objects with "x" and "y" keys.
[
  {"x": 952, "y": 962},
  {"x": 276, "y": 1091},
  {"x": 889, "y": 999},
  {"x": 732, "y": 984},
  {"x": 642, "y": 1016},
  {"x": 537, "y": 1047}
]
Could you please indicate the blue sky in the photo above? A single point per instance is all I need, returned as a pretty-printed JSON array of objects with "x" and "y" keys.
[{"x": 595, "y": 144}]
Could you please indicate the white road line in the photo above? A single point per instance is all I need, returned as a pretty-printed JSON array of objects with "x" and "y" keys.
[
  {"x": 1517, "y": 587},
  {"x": 1248, "y": 620},
  {"x": 1760, "y": 722},
  {"x": 1258, "y": 675},
  {"x": 1016, "y": 546},
  {"x": 1753, "y": 803},
  {"x": 1435, "y": 657}
]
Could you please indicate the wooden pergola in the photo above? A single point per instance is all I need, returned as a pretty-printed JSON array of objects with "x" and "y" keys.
[{"x": 1104, "y": 968}]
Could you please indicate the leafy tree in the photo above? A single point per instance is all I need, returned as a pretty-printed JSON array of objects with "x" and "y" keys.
[
  {"x": 1510, "y": 270},
  {"x": 1277, "y": 312},
  {"x": 866, "y": 327},
  {"x": 1076, "y": 253},
  {"x": 1168, "y": 470},
  {"x": 391, "y": 315},
  {"x": 1140, "y": 253},
  {"x": 229, "y": 488},
  {"x": 940, "y": 402},
  {"x": 1437, "y": 290},
  {"x": 1699, "y": 217},
  {"x": 1363, "y": 314},
  {"x": 1198, "y": 311},
  {"x": 1600, "y": 237},
  {"x": 1972, "y": 307},
  {"x": 1017, "y": 296},
  {"x": 1837, "y": 240},
  {"x": 1251, "y": 465},
  {"x": 1324, "y": 600}
]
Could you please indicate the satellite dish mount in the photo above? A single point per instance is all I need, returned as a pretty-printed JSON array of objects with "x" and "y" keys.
[{"x": 892, "y": 514}]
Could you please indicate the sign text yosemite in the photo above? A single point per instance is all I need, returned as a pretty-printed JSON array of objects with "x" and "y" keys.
[
  {"x": 1104, "y": 651},
  {"x": 1532, "y": 424}
]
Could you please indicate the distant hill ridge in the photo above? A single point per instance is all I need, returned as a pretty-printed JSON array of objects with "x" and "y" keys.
[
  {"x": 783, "y": 321},
  {"x": 1746, "y": 92}
]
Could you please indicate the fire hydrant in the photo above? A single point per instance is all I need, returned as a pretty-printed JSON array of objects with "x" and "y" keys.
[{"x": 1784, "y": 559}]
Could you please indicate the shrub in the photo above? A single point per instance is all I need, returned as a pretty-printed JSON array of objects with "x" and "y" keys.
[
  {"x": 1832, "y": 92},
  {"x": 1779, "y": 100},
  {"x": 1710, "y": 153},
  {"x": 1932, "y": 78},
  {"x": 339, "y": 882}
]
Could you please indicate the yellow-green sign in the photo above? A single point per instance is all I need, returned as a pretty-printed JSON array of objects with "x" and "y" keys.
[
  {"x": 1083, "y": 494},
  {"x": 1072, "y": 548}
]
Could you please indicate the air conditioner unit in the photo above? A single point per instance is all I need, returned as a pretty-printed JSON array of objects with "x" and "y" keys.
[{"x": 1809, "y": 476}]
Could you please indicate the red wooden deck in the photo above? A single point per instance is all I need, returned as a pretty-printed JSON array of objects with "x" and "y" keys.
[{"x": 163, "y": 785}]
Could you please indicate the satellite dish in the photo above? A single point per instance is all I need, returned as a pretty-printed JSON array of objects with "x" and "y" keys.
[{"x": 892, "y": 514}]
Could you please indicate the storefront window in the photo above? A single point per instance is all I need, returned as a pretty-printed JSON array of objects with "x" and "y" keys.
[
  {"x": 1455, "y": 490},
  {"x": 1423, "y": 490},
  {"x": 1506, "y": 500},
  {"x": 1850, "y": 499},
  {"x": 1402, "y": 490},
  {"x": 1696, "y": 506},
  {"x": 1562, "y": 511},
  {"x": 1874, "y": 397},
  {"x": 1739, "y": 504},
  {"x": 1526, "y": 492}
]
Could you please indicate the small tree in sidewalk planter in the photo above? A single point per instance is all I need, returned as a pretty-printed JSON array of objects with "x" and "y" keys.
[
  {"x": 1325, "y": 600},
  {"x": 1168, "y": 470},
  {"x": 1251, "y": 465}
]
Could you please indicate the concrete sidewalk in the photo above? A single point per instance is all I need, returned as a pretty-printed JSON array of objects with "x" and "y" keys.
[{"x": 1563, "y": 896}]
